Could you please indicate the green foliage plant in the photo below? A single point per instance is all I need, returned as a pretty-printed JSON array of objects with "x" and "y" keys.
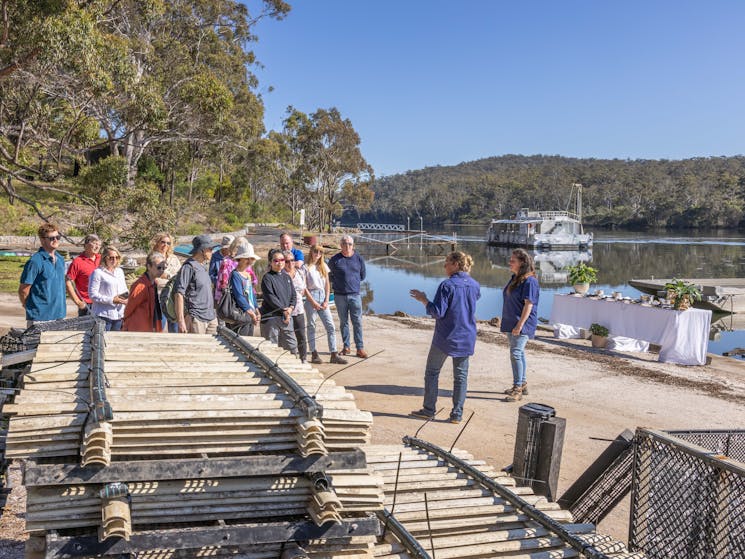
[
  {"x": 599, "y": 330},
  {"x": 582, "y": 273},
  {"x": 681, "y": 293}
]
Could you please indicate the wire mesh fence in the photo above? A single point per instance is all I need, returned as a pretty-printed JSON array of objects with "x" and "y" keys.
[{"x": 688, "y": 498}]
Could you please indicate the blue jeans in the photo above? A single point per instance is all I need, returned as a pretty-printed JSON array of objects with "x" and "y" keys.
[
  {"x": 319, "y": 296},
  {"x": 435, "y": 361},
  {"x": 346, "y": 306},
  {"x": 517, "y": 357},
  {"x": 112, "y": 324}
]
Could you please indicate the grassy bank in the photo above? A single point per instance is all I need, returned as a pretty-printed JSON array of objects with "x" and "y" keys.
[{"x": 10, "y": 272}]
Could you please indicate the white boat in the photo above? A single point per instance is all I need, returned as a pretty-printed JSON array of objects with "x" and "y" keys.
[
  {"x": 542, "y": 230},
  {"x": 554, "y": 230}
]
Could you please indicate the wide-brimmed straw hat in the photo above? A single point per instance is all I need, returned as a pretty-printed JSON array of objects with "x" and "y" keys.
[{"x": 246, "y": 251}]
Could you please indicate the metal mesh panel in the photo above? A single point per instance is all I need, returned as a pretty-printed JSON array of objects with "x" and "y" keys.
[
  {"x": 606, "y": 492},
  {"x": 686, "y": 504},
  {"x": 22, "y": 340},
  {"x": 728, "y": 443}
]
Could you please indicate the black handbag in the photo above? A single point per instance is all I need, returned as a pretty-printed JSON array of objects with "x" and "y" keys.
[{"x": 228, "y": 311}]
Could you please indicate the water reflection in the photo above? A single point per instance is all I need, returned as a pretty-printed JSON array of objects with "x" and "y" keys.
[
  {"x": 551, "y": 266},
  {"x": 619, "y": 257}
]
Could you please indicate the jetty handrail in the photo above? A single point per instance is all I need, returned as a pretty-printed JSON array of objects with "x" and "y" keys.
[
  {"x": 381, "y": 227},
  {"x": 588, "y": 550},
  {"x": 312, "y": 408}
]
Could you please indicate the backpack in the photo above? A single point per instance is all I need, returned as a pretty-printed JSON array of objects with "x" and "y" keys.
[{"x": 167, "y": 300}]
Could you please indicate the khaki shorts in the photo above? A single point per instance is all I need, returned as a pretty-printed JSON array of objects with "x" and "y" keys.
[{"x": 196, "y": 326}]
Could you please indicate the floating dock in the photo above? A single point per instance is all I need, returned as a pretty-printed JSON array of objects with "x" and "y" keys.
[{"x": 724, "y": 295}]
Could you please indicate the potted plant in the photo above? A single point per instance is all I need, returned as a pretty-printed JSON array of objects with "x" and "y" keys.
[
  {"x": 682, "y": 294},
  {"x": 599, "y": 335},
  {"x": 581, "y": 276}
]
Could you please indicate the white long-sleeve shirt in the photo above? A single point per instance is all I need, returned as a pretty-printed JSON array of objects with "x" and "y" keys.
[{"x": 103, "y": 286}]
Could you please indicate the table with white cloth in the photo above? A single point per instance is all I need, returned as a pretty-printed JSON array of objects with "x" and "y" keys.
[{"x": 683, "y": 336}]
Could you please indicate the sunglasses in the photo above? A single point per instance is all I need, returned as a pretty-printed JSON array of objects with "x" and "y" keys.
[
  {"x": 160, "y": 267},
  {"x": 165, "y": 243},
  {"x": 286, "y": 261},
  {"x": 110, "y": 257},
  {"x": 54, "y": 237}
]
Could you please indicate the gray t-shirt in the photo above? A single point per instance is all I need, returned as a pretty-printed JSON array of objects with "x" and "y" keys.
[{"x": 195, "y": 285}]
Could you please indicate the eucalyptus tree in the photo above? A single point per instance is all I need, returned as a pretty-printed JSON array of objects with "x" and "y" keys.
[
  {"x": 331, "y": 164},
  {"x": 129, "y": 75}
]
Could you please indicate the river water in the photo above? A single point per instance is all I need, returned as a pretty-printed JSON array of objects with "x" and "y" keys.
[{"x": 618, "y": 256}]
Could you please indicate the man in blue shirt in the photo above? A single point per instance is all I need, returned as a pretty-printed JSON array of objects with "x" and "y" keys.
[
  {"x": 218, "y": 256},
  {"x": 454, "y": 311},
  {"x": 42, "y": 289},
  {"x": 286, "y": 243},
  {"x": 347, "y": 269}
]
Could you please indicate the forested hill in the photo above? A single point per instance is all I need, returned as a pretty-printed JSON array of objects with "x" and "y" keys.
[{"x": 701, "y": 192}]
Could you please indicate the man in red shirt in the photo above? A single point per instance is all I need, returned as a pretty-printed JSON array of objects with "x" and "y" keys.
[{"x": 80, "y": 271}]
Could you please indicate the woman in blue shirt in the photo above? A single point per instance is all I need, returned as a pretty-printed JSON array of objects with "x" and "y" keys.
[
  {"x": 454, "y": 311},
  {"x": 520, "y": 317},
  {"x": 241, "y": 288}
]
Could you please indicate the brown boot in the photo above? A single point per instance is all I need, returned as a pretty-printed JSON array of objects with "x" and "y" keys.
[
  {"x": 315, "y": 358},
  {"x": 516, "y": 396},
  {"x": 337, "y": 360}
]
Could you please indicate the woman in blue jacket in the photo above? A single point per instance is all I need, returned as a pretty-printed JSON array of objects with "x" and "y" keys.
[
  {"x": 520, "y": 317},
  {"x": 242, "y": 290},
  {"x": 454, "y": 311}
]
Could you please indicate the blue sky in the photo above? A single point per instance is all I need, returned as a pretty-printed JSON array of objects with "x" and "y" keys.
[{"x": 436, "y": 83}]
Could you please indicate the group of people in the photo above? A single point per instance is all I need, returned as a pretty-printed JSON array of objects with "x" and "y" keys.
[
  {"x": 297, "y": 290},
  {"x": 454, "y": 311}
]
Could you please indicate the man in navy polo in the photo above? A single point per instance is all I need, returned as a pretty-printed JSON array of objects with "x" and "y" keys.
[
  {"x": 42, "y": 289},
  {"x": 347, "y": 269}
]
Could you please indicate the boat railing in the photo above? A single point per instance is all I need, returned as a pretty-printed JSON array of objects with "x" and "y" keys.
[
  {"x": 525, "y": 214},
  {"x": 555, "y": 214}
]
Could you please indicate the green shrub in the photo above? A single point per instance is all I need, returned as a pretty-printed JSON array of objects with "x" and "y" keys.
[
  {"x": 26, "y": 229},
  {"x": 191, "y": 229}
]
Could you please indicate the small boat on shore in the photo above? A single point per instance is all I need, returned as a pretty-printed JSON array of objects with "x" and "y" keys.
[
  {"x": 723, "y": 295},
  {"x": 541, "y": 230}
]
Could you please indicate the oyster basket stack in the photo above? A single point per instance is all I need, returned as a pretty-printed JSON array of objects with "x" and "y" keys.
[{"x": 139, "y": 443}]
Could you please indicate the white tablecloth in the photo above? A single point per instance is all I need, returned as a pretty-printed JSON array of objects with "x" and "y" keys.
[{"x": 683, "y": 336}]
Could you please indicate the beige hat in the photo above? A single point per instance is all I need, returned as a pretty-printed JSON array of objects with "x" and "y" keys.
[
  {"x": 227, "y": 240},
  {"x": 246, "y": 251}
]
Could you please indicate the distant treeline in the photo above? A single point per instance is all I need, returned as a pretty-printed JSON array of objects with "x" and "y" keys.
[{"x": 705, "y": 192}]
